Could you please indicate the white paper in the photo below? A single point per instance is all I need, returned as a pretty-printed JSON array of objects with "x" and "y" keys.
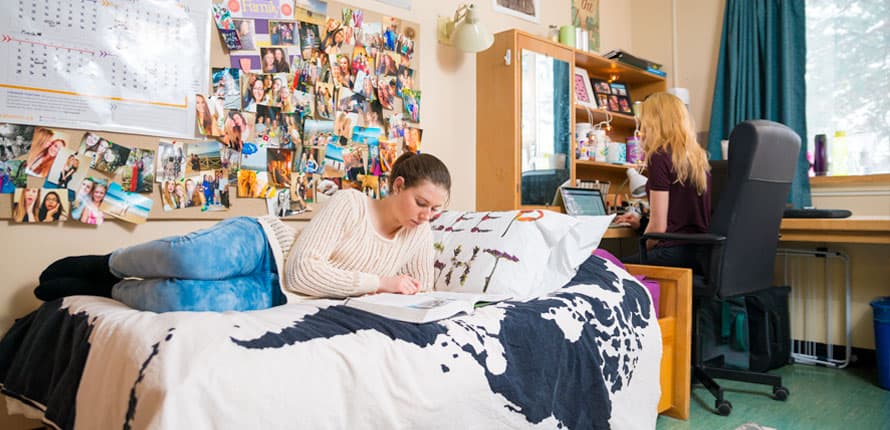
[{"x": 116, "y": 65}]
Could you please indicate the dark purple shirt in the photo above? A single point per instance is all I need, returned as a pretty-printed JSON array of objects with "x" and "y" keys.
[{"x": 688, "y": 212}]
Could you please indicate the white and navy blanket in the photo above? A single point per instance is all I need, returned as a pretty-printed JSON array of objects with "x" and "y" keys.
[{"x": 585, "y": 356}]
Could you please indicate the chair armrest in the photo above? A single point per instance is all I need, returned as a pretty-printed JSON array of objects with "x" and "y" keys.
[{"x": 697, "y": 238}]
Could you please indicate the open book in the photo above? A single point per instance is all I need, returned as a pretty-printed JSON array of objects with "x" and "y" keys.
[{"x": 422, "y": 307}]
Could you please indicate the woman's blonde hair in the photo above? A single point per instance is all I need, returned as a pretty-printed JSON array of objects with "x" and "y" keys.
[{"x": 667, "y": 126}]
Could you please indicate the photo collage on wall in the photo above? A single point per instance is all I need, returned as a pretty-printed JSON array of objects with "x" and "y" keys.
[
  {"x": 317, "y": 96},
  {"x": 314, "y": 100}
]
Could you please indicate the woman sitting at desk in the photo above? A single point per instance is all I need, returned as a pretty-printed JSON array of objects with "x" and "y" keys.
[{"x": 679, "y": 182}]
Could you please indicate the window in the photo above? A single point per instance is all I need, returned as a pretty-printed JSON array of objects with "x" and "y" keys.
[{"x": 848, "y": 83}]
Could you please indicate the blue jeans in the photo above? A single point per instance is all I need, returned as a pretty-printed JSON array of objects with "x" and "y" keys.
[{"x": 229, "y": 266}]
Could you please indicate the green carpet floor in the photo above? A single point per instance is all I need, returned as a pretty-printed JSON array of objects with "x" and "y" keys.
[{"x": 821, "y": 398}]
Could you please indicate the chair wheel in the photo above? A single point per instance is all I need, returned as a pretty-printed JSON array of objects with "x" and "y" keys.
[
  {"x": 780, "y": 393},
  {"x": 723, "y": 407}
]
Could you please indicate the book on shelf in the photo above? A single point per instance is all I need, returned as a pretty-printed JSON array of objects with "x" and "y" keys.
[
  {"x": 626, "y": 58},
  {"x": 422, "y": 307}
]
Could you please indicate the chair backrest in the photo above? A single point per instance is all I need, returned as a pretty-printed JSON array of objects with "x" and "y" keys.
[{"x": 762, "y": 159}]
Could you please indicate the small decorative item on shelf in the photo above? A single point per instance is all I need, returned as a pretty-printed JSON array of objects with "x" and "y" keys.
[
  {"x": 634, "y": 150},
  {"x": 583, "y": 91}
]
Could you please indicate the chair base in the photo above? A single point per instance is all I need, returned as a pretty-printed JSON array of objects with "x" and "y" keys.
[{"x": 706, "y": 375}]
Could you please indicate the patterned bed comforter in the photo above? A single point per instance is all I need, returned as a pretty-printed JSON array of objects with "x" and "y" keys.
[{"x": 585, "y": 356}]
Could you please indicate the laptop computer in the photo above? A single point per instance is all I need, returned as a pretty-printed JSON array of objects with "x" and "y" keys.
[{"x": 585, "y": 202}]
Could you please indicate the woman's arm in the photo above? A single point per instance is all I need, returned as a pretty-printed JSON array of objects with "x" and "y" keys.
[
  {"x": 658, "y": 212},
  {"x": 420, "y": 266},
  {"x": 308, "y": 269}
]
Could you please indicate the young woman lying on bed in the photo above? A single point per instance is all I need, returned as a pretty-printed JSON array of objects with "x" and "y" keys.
[{"x": 353, "y": 246}]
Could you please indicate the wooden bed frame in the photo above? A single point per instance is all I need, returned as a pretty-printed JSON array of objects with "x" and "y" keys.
[{"x": 675, "y": 319}]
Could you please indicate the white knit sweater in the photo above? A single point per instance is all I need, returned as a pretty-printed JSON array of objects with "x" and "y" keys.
[{"x": 340, "y": 253}]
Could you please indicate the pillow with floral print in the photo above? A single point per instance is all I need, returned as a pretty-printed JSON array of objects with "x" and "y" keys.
[{"x": 521, "y": 253}]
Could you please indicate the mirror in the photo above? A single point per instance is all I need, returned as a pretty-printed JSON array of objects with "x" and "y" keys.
[{"x": 546, "y": 124}]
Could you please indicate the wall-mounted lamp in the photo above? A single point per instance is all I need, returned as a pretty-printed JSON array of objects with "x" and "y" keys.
[{"x": 465, "y": 31}]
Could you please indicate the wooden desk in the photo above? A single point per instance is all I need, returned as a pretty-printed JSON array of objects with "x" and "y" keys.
[
  {"x": 619, "y": 233},
  {"x": 856, "y": 229}
]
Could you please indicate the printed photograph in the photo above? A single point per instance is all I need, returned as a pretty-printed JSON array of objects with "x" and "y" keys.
[
  {"x": 619, "y": 89},
  {"x": 171, "y": 162},
  {"x": 317, "y": 132},
  {"x": 405, "y": 80},
  {"x": 333, "y": 162},
  {"x": 275, "y": 60},
  {"x": 354, "y": 160},
  {"x": 279, "y": 167},
  {"x": 268, "y": 128},
  {"x": 309, "y": 39},
  {"x": 63, "y": 169},
  {"x": 110, "y": 157},
  {"x": 126, "y": 206},
  {"x": 312, "y": 161},
  {"x": 15, "y": 140},
  {"x": 39, "y": 205},
  {"x": 324, "y": 101},
  {"x": 83, "y": 172},
  {"x": 391, "y": 30},
  {"x": 45, "y": 146},
  {"x": 283, "y": 206},
  {"x": 412, "y": 139},
  {"x": 373, "y": 115},
  {"x": 231, "y": 162},
  {"x": 302, "y": 188},
  {"x": 395, "y": 124},
  {"x": 12, "y": 176},
  {"x": 389, "y": 152},
  {"x": 204, "y": 118},
  {"x": 292, "y": 133},
  {"x": 601, "y": 87},
  {"x": 387, "y": 63},
  {"x": 411, "y": 103},
  {"x": 203, "y": 156},
  {"x": 87, "y": 201},
  {"x": 304, "y": 103},
  {"x": 138, "y": 173},
  {"x": 227, "y": 86},
  {"x": 343, "y": 126},
  {"x": 386, "y": 91},
  {"x": 246, "y": 32},
  {"x": 236, "y": 126},
  {"x": 283, "y": 32}
]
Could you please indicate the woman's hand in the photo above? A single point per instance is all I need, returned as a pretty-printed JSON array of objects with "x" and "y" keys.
[
  {"x": 631, "y": 218},
  {"x": 400, "y": 284}
]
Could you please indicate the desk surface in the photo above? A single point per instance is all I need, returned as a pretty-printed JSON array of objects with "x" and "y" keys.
[{"x": 855, "y": 229}]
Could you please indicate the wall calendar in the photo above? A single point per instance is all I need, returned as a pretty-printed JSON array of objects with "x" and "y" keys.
[{"x": 129, "y": 66}]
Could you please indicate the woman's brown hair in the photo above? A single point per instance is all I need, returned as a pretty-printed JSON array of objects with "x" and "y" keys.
[{"x": 416, "y": 168}]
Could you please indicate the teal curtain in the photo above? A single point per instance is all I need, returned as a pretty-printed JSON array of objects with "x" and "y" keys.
[{"x": 760, "y": 75}]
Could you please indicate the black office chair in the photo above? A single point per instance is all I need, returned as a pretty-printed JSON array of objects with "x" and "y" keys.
[{"x": 738, "y": 253}]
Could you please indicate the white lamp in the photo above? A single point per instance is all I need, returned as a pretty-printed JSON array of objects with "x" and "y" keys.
[
  {"x": 636, "y": 183},
  {"x": 465, "y": 31}
]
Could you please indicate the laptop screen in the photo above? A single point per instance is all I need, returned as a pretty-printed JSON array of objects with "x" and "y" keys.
[{"x": 583, "y": 201}]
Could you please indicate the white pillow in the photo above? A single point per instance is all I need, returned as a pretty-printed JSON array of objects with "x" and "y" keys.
[{"x": 523, "y": 253}]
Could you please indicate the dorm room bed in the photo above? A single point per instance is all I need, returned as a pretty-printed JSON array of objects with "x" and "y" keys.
[{"x": 588, "y": 355}]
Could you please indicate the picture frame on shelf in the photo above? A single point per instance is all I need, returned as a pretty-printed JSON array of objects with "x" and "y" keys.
[
  {"x": 601, "y": 87},
  {"x": 584, "y": 95}
]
